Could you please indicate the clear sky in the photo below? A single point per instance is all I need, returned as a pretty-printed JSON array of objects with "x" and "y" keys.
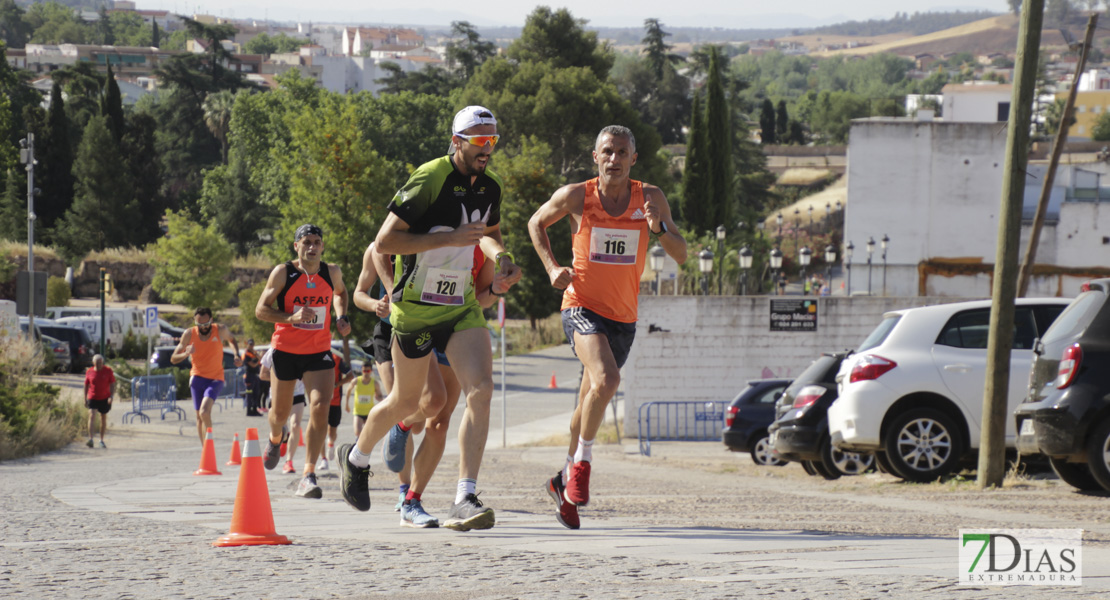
[{"x": 733, "y": 14}]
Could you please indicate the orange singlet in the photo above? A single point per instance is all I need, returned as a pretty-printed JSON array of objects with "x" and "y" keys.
[
  {"x": 208, "y": 355},
  {"x": 609, "y": 255},
  {"x": 312, "y": 291}
]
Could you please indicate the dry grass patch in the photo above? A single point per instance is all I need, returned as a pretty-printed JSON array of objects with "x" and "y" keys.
[{"x": 605, "y": 436}]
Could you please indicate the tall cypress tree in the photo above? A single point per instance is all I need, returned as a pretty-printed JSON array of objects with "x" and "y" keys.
[
  {"x": 782, "y": 120},
  {"x": 155, "y": 35},
  {"x": 767, "y": 122},
  {"x": 57, "y": 166},
  {"x": 111, "y": 105},
  {"x": 695, "y": 207},
  {"x": 13, "y": 207},
  {"x": 718, "y": 146}
]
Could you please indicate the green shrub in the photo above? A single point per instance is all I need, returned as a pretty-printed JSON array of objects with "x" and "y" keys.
[
  {"x": 132, "y": 347},
  {"x": 32, "y": 417},
  {"x": 57, "y": 292}
]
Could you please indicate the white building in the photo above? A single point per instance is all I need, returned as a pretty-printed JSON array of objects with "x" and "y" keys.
[
  {"x": 976, "y": 102},
  {"x": 935, "y": 189},
  {"x": 1094, "y": 80}
]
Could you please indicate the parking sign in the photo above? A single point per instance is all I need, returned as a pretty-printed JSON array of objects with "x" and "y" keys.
[{"x": 152, "y": 316}]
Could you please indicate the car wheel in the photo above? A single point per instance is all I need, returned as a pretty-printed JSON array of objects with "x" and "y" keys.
[
  {"x": 1077, "y": 475},
  {"x": 807, "y": 465},
  {"x": 844, "y": 463},
  {"x": 764, "y": 454},
  {"x": 1098, "y": 454},
  {"x": 882, "y": 463},
  {"x": 923, "y": 445},
  {"x": 824, "y": 471}
]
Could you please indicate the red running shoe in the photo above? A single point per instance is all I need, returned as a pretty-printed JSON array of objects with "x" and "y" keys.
[
  {"x": 578, "y": 484},
  {"x": 567, "y": 513}
]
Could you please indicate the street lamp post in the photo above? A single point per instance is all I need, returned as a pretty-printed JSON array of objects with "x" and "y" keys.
[
  {"x": 848, "y": 264},
  {"x": 830, "y": 258},
  {"x": 776, "y": 264},
  {"x": 745, "y": 264},
  {"x": 721, "y": 258},
  {"x": 778, "y": 219},
  {"x": 810, "y": 209},
  {"x": 870, "y": 251},
  {"x": 884, "y": 242},
  {"x": 705, "y": 265},
  {"x": 804, "y": 256},
  {"x": 797, "y": 226},
  {"x": 657, "y": 253}
]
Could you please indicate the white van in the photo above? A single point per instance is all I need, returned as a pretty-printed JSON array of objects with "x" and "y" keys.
[
  {"x": 114, "y": 324},
  {"x": 9, "y": 320},
  {"x": 133, "y": 319}
]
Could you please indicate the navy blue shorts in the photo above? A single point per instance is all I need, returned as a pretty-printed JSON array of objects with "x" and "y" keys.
[{"x": 587, "y": 322}]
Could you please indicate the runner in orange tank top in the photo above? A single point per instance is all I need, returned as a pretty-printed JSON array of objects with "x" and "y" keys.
[
  {"x": 611, "y": 219},
  {"x": 203, "y": 346}
]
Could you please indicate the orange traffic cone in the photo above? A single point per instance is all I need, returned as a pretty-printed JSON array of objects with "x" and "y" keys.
[
  {"x": 252, "y": 519},
  {"x": 553, "y": 385},
  {"x": 208, "y": 457},
  {"x": 300, "y": 432},
  {"x": 235, "y": 459}
]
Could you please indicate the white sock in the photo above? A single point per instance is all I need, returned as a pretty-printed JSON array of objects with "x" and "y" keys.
[
  {"x": 466, "y": 487},
  {"x": 585, "y": 450},
  {"x": 357, "y": 458},
  {"x": 566, "y": 468}
]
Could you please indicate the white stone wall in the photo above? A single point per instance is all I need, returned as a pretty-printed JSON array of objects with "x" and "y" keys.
[{"x": 715, "y": 344}]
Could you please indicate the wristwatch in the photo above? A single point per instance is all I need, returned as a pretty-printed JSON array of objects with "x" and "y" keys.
[{"x": 662, "y": 228}]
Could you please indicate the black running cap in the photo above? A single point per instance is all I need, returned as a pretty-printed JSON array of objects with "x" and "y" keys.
[{"x": 307, "y": 229}]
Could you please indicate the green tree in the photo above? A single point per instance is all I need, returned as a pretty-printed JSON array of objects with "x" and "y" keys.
[
  {"x": 657, "y": 52},
  {"x": 830, "y": 114},
  {"x": 663, "y": 103},
  {"x": 767, "y": 129},
  {"x": 111, "y": 105},
  {"x": 14, "y": 31},
  {"x": 529, "y": 182},
  {"x": 103, "y": 33},
  {"x": 718, "y": 154},
  {"x": 55, "y": 23},
  {"x": 155, "y": 34},
  {"x": 1100, "y": 132},
  {"x": 469, "y": 51},
  {"x": 213, "y": 37},
  {"x": 192, "y": 264},
  {"x": 82, "y": 85},
  {"x": 252, "y": 326},
  {"x": 1053, "y": 115},
  {"x": 140, "y": 150},
  {"x": 695, "y": 208},
  {"x": 13, "y": 207},
  {"x": 104, "y": 212},
  {"x": 57, "y": 165},
  {"x": 217, "y": 117},
  {"x": 57, "y": 292},
  {"x": 782, "y": 121},
  {"x": 560, "y": 40},
  {"x": 408, "y": 129},
  {"x": 229, "y": 202},
  {"x": 334, "y": 176},
  {"x": 429, "y": 80},
  {"x": 264, "y": 43}
]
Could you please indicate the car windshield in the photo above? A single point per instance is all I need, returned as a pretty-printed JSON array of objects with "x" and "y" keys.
[
  {"x": 879, "y": 334},
  {"x": 818, "y": 371},
  {"x": 1075, "y": 317}
]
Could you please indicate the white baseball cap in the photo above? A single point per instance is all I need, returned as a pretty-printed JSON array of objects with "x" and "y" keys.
[{"x": 471, "y": 116}]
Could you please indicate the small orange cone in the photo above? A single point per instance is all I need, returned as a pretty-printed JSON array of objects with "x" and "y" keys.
[
  {"x": 208, "y": 457},
  {"x": 553, "y": 385},
  {"x": 300, "y": 432},
  {"x": 235, "y": 459},
  {"x": 252, "y": 519}
]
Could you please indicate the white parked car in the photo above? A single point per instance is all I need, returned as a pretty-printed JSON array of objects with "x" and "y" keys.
[{"x": 912, "y": 393}]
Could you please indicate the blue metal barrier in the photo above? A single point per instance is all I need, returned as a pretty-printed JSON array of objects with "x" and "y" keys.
[
  {"x": 153, "y": 392},
  {"x": 680, "y": 422},
  {"x": 234, "y": 387}
]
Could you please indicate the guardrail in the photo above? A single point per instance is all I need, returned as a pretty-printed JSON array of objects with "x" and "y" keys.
[
  {"x": 673, "y": 421},
  {"x": 234, "y": 387},
  {"x": 150, "y": 393}
]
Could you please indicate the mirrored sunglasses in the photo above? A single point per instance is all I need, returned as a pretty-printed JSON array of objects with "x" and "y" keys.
[{"x": 480, "y": 140}]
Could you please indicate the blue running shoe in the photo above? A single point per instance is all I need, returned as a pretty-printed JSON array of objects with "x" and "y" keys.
[
  {"x": 393, "y": 451},
  {"x": 400, "y": 502},
  {"x": 414, "y": 515}
]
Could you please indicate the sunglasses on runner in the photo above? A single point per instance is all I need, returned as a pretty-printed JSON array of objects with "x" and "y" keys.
[{"x": 480, "y": 140}]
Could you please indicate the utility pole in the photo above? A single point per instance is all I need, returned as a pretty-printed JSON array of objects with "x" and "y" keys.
[
  {"x": 992, "y": 448},
  {"x": 27, "y": 157},
  {"x": 1054, "y": 159}
]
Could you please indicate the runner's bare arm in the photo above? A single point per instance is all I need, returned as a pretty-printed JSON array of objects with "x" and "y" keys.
[
  {"x": 395, "y": 238},
  {"x": 484, "y": 290},
  {"x": 657, "y": 211},
  {"x": 340, "y": 299},
  {"x": 366, "y": 280},
  {"x": 264, "y": 310},
  {"x": 181, "y": 352},
  {"x": 492, "y": 246},
  {"x": 567, "y": 200}
]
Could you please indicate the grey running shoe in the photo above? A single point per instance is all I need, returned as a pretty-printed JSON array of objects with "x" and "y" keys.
[
  {"x": 309, "y": 488},
  {"x": 393, "y": 451},
  {"x": 469, "y": 514},
  {"x": 354, "y": 481},
  {"x": 102, "y": 444},
  {"x": 271, "y": 454},
  {"x": 400, "y": 502},
  {"x": 89, "y": 443},
  {"x": 414, "y": 515}
]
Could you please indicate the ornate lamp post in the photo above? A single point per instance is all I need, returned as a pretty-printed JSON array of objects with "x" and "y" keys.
[
  {"x": 776, "y": 264},
  {"x": 745, "y": 264},
  {"x": 705, "y": 265},
  {"x": 657, "y": 253},
  {"x": 870, "y": 251},
  {"x": 804, "y": 256},
  {"x": 848, "y": 264},
  {"x": 830, "y": 258},
  {"x": 720, "y": 257},
  {"x": 797, "y": 226},
  {"x": 884, "y": 242},
  {"x": 778, "y": 219}
]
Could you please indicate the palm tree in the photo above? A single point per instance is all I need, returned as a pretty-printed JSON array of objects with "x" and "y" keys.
[{"x": 217, "y": 116}]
